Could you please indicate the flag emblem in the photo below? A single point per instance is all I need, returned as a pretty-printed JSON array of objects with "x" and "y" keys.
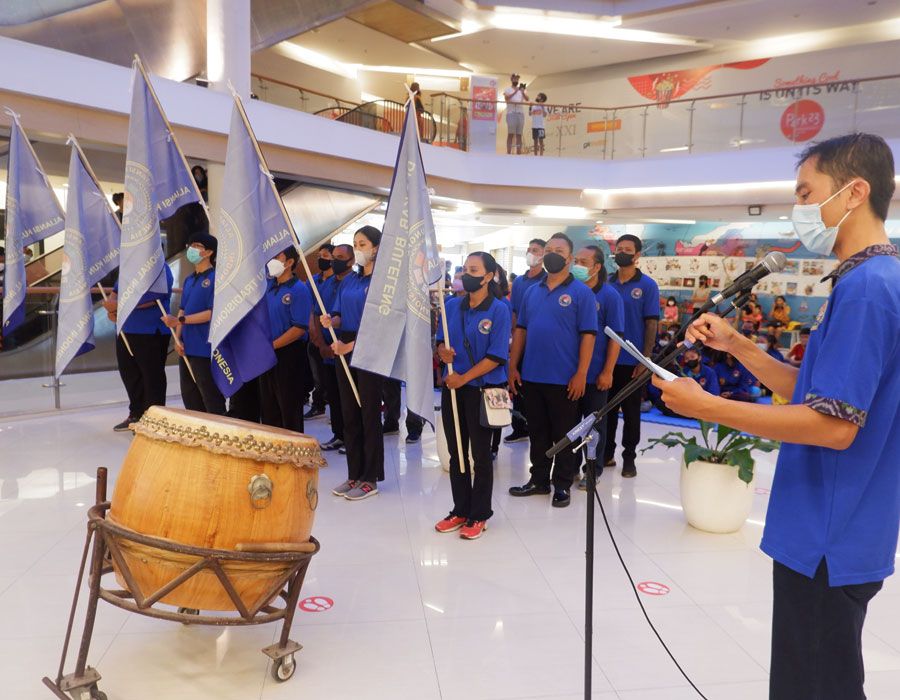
[
  {"x": 484, "y": 327},
  {"x": 565, "y": 300},
  {"x": 205, "y": 283},
  {"x": 637, "y": 293},
  {"x": 286, "y": 299}
]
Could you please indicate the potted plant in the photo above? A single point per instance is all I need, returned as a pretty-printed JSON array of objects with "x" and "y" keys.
[{"x": 716, "y": 479}]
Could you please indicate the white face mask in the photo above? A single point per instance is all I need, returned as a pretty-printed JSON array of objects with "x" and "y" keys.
[
  {"x": 275, "y": 267},
  {"x": 533, "y": 260},
  {"x": 763, "y": 346},
  {"x": 811, "y": 230},
  {"x": 362, "y": 257}
]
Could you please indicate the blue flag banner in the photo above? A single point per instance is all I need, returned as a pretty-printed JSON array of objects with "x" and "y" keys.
[
  {"x": 394, "y": 336},
  {"x": 32, "y": 214},
  {"x": 251, "y": 231},
  {"x": 157, "y": 183},
  {"x": 90, "y": 252}
]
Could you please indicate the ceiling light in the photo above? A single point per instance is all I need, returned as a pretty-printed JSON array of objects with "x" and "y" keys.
[
  {"x": 669, "y": 221},
  {"x": 674, "y": 149},
  {"x": 551, "y": 212},
  {"x": 718, "y": 187},
  {"x": 783, "y": 218},
  {"x": 467, "y": 208},
  {"x": 315, "y": 59}
]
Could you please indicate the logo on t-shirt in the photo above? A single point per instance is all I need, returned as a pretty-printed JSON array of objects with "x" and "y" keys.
[
  {"x": 565, "y": 300},
  {"x": 819, "y": 317},
  {"x": 286, "y": 299},
  {"x": 702, "y": 381},
  {"x": 205, "y": 283},
  {"x": 637, "y": 293},
  {"x": 485, "y": 325}
]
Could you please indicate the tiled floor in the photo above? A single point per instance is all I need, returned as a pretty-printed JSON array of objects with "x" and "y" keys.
[{"x": 416, "y": 614}]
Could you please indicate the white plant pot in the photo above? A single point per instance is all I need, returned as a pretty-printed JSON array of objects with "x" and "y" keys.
[{"x": 713, "y": 498}]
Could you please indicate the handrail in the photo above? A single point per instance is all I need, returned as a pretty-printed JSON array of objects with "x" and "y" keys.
[{"x": 300, "y": 88}]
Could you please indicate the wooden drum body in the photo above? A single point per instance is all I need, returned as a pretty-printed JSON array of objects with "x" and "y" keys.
[{"x": 219, "y": 483}]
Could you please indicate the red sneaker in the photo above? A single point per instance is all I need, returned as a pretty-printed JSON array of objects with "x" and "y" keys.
[
  {"x": 473, "y": 529},
  {"x": 450, "y": 524}
]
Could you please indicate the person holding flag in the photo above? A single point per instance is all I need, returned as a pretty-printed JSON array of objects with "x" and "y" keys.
[
  {"x": 90, "y": 252},
  {"x": 32, "y": 214}
]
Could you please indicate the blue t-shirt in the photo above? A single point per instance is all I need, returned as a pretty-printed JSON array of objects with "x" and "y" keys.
[
  {"x": 844, "y": 505},
  {"x": 610, "y": 312},
  {"x": 149, "y": 321},
  {"x": 735, "y": 379},
  {"x": 640, "y": 296},
  {"x": 520, "y": 285},
  {"x": 350, "y": 301},
  {"x": 487, "y": 328},
  {"x": 289, "y": 306},
  {"x": 555, "y": 320},
  {"x": 774, "y": 354},
  {"x": 327, "y": 290},
  {"x": 197, "y": 297},
  {"x": 705, "y": 377}
]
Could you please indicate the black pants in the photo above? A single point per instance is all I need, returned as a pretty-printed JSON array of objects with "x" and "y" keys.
[
  {"x": 317, "y": 373},
  {"x": 363, "y": 435},
  {"x": 244, "y": 403},
  {"x": 143, "y": 375},
  {"x": 330, "y": 380},
  {"x": 519, "y": 411},
  {"x": 550, "y": 416},
  {"x": 817, "y": 636},
  {"x": 471, "y": 498},
  {"x": 631, "y": 411},
  {"x": 202, "y": 395},
  {"x": 281, "y": 388},
  {"x": 391, "y": 395},
  {"x": 593, "y": 400}
]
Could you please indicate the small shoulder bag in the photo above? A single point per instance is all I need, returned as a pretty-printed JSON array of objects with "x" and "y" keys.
[{"x": 496, "y": 406}]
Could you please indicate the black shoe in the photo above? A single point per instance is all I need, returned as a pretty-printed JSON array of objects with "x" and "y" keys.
[
  {"x": 390, "y": 429},
  {"x": 342, "y": 450},
  {"x": 493, "y": 455},
  {"x": 629, "y": 471},
  {"x": 611, "y": 462},
  {"x": 529, "y": 489},
  {"x": 332, "y": 444},
  {"x": 413, "y": 438},
  {"x": 313, "y": 413},
  {"x": 516, "y": 436},
  {"x": 124, "y": 426},
  {"x": 561, "y": 498}
]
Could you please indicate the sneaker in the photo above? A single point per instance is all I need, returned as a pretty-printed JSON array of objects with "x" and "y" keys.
[
  {"x": 582, "y": 484},
  {"x": 473, "y": 529},
  {"x": 529, "y": 489},
  {"x": 451, "y": 523},
  {"x": 413, "y": 438},
  {"x": 629, "y": 470},
  {"x": 515, "y": 436},
  {"x": 313, "y": 413},
  {"x": 333, "y": 444},
  {"x": 390, "y": 430},
  {"x": 363, "y": 489},
  {"x": 646, "y": 406},
  {"x": 125, "y": 425},
  {"x": 342, "y": 450},
  {"x": 343, "y": 489}
]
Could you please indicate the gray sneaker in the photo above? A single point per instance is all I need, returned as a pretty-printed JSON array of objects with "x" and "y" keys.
[
  {"x": 344, "y": 488},
  {"x": 361, "y": 490}
]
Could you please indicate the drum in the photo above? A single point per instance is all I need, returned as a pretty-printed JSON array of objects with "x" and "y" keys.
[{"x": 219, "y": 483}]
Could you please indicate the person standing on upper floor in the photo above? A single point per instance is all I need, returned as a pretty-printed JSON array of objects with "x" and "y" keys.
[
  {"x": 556, "y": 332},
  {"x": 290, "y": 306},
  {"x": 515, "y": 113},
  {"x": 363, "y": 438},
  {"x": 534, "y": 258},
  {"x": 144, "y": 372},
  {"x": 319, "y": 399},
  {"x": 589, "y": 268},
  {"x": 478, "y": 325},
  {"x": 538, "y": 112},
  {"x": 640, "y": 297},
  {"x": 199, "y": 393}
]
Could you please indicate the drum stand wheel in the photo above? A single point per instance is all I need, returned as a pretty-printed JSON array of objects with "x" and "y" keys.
[{"x": 101, "y": 548}]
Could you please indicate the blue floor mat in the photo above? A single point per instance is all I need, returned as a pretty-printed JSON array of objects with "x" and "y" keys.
[{"x": 654, "y": 415}]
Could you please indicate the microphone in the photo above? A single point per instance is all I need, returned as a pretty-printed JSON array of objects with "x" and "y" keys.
[{"x": 775, "y": 261}]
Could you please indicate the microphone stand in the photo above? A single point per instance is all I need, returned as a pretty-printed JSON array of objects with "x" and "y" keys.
[{"x": 587, "y": 435}]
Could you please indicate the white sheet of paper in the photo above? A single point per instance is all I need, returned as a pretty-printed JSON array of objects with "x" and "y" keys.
[{"x": 629, "y": 347}]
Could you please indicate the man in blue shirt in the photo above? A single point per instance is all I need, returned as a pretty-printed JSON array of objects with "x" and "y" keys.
[
  {"x": 534, "y": 258},
  {"x": 589, "y": 268},
  {"x": 316, "y": 366},
  {"x": 144, "y": 372},
  {"x": 282, "y": 387},
  {"x": 557, "y": 327},
  {"x": 694, "y": 368},
  {"x": 834, "y": 512},
  {"x": 640, "y": 296},
  {"x": 735, "y": 382}
]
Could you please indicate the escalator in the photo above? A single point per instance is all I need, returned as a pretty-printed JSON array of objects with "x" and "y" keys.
[{"x": 317, "y": 213}]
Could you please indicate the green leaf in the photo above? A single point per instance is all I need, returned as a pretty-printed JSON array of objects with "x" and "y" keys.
[
  {"x": 743, "y": 460},
  {"x": 704, "y": 431},
  {"x": 694, "y": 452},
  {"x": 722, "y": 433}
]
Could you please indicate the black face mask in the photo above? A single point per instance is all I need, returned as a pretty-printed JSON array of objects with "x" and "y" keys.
[
  {"x": 624, "y": 259},
  {"x": 324, "y": 264},
  {"x": 554, "y": 262},
  {"x": 471, "y": 283},
  {"x": 339, "y": 267},
  {"x": 693, "y": 364}
]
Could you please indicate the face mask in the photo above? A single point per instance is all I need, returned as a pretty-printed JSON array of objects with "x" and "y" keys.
[
  {"x": 362, "y": 257},
  {"x": 763, "y": 346},
  {"x": 275, "y": 267},
  {"x": 693, "y": 364},
  {"x": 670, "y": 303},
  {"x": 193, "y": 256},
  {"x": 323, "y": 264},
  {"x": 339, "y": 267},
  {"x": 554, "y": 262},
  {"x": 580, "y": 272},
  {"x": 815, "y": 236},
  {"x": 533, "y": 260},
  {"x": 624, "y": 259},
  {"x": 663, "y": 343},
  {"x": 471, "y": 283}
]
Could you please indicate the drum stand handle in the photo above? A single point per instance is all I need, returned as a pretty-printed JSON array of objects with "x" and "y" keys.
[{"x": 275, "y": 547}]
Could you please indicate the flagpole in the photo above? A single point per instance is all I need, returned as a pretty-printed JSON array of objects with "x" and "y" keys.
[
  {"x": 93, "y": 176},
  {"x": 312, "y": 282},
  {"x": 178, "y": 343}
]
